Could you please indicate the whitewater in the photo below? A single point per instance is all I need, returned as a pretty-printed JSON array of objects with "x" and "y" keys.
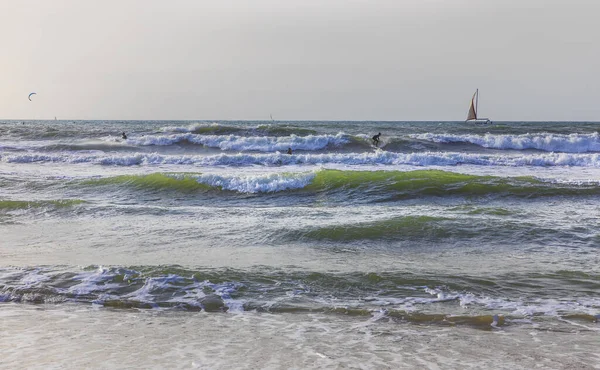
[{"x": 448, "y": 245}]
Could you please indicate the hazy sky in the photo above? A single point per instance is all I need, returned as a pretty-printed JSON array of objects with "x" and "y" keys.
[{"x": 300, "y": 59}]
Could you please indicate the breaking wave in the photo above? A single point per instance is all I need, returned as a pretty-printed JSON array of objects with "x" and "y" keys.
[
  {"x": 391, "y": 184},
  {"x": 267, "y": 183},
  {"x": 379, "y": 157},
  {"x": 572, "y": 143},
  {"x": 443, "y": 300},
  {"x": 223, "y": 129},
  {"x": 241, "y": 143}
]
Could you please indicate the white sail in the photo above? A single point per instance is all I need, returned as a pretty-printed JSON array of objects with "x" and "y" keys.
[{"x": 472, "y": 109}]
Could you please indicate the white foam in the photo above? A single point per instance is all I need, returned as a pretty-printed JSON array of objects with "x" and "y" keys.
[
  {"x": 573, "y": 143},
  {"x": 523, "y": 306},
  {"x": 252, "y": 143},
  {"x": 274, "y": 182},
  {"x": 92, "y": 282},
  {"x": 32, "y": 278},
  {"x": 151, "y": 285},
  {"x": 190, "y": 128},
  {"x": 379, "y": 157},
  {"x": 527, "y": 307},
  {"x": 173, "y": 288}
]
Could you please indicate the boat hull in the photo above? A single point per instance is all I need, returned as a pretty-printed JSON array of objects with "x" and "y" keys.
[{"x": 479, "y": 121}]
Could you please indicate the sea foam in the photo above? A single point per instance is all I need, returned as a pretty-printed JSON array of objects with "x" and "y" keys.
[
  {"x": 573, "y": 143},
  {"x": 281, "y": 159},
  {"x": 241, "y": 143},
  {"x": 258, "y": 183}
]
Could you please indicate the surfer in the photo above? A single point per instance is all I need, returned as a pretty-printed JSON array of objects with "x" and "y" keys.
[
  {"x": 289, "y": 151},
  {"x": 124, "y": 136},
  {"x": 376, "y": 139}
]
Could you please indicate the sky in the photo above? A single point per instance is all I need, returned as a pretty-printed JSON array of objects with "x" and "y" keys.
[{"x": 397, "y": 60}]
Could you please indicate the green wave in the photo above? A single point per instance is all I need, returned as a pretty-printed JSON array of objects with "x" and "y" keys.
[
  {"x": 392, "y": 179},
  {"x": 389, "y": 184},
  {"x": 442, "y": 183},
  {"x": 156, "y": 181},
  {"x": 431, "y": 182},
  {"x": 429, "y": 229},
  {"x": 406, "y": 227},
  {"x": 11, "y": 205}
]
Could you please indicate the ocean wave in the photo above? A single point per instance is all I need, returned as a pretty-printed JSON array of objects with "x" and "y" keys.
[
  {"x": 223, "y": 129},
  {"x": 275, "y": 182},
  {"x": 392, "y": 185},
  {"x": 379, "y": 157},
  {"x": 281, "y": 130},
  {"x": 249, "y": 184},
  {"x": 397, "y": 228},
  {"x": 51, "y": 130},
  {"x": 572, "y": 143},
  {"x": 421, "y": 229},
  {"x": 242, "y": 143},
  {"x": 400, "y": 296},
  {"x": 204, "y": 128},
  {"x": 12, "y": 205}
]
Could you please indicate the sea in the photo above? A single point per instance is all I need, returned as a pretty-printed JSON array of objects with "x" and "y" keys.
[{"x": 204, "y": 244}]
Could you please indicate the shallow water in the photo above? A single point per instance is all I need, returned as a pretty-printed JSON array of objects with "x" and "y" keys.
[{"x": 90, "y": 337}]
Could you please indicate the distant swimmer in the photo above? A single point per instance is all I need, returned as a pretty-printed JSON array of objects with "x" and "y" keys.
[
  {"x": 124, "y": 136},
  {"x": 376, "y": 139},
  {"x": 289, "y": 151}
]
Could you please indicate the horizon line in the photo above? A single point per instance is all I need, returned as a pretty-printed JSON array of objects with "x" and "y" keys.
[{"x": 284, "y": 120}]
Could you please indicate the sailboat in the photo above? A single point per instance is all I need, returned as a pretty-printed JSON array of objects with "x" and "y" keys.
[{"x": 472, "y": 115}]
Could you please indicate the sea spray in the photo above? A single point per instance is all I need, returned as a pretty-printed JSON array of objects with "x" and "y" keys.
[{"x": 572, "y": 143}]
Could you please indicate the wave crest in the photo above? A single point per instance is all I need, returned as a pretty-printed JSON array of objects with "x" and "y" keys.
[
  {"x": 250, "y": 184},
  {"x": 379, "y": 157},
  {"x": 573, "y": 143},
  {"x": 401, "y": 296},
  {"x": 241, "y": 143},
  {"x": 388, "y": 184}
]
